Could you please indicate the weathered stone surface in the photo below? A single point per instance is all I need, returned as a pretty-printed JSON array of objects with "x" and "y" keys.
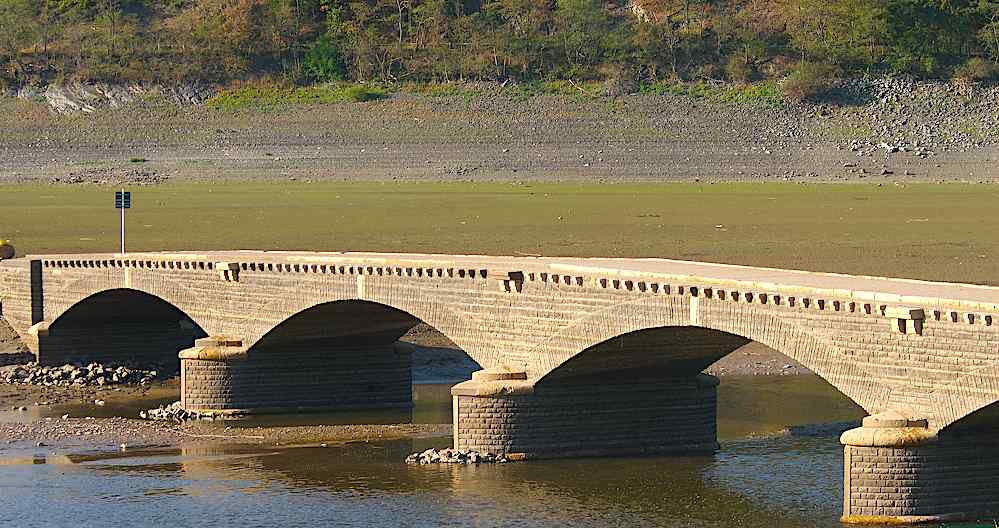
[
  {"x": 952, "y": 477},
  {"x": 538, "y": 315},
  {"x": 591, "y": 417},
  {"x": 301, "y": 377}
]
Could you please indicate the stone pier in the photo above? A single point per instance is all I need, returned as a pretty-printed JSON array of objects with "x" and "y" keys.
[
  {"x": 502, "y": 412},
  {"x": 220, "y": 376},
  {"x": 899, "y": 471}
]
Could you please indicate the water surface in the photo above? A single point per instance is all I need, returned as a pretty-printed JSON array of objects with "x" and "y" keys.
[{"x": 758, "y": 479}]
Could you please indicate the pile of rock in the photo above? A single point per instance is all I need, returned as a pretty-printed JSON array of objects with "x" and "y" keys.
[
  {"x": 173, "y": 412},
  {"x": 924, "y": 117},
  {"x": 91, "y": 375},
  {"x": 455, "y": 456},
  {"x": 88, "y": 98},
  {"x": 111, "y": 175}
]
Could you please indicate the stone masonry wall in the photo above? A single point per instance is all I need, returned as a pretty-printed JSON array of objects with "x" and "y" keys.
[
  {"x": 954, "y": 478},
  {"x": 943, "y": 372},
  {"x": 301, "y": 377},
  {"x": 15, "y": 295},
  {"x": 591, "y": 419}
]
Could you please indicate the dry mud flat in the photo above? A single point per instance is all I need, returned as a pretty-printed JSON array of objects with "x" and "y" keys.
[
  {"x": 64, "y": 418},
  {"x": 103, "y": 434},
  {"x": 884, "y": 130}
]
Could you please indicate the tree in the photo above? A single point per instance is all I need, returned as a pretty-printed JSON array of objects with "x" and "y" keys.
[
  {"x": 588, "y": 35},
  {"x": 923, "y": 35},
  {"x": 848, "y": 32},
  {"x": 988, "y": 34},
  {"x": 519, "y": 31}
]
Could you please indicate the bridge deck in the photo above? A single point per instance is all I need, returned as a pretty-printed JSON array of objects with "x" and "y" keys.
[{"x": 890, "y": 290}]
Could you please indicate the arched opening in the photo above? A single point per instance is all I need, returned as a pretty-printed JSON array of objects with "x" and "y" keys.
[
  {"x": 122, "y": 326},
  {"x": 761, "y": 391},
  {"x": 641, "y": 392},
  {"x": 674, "y": 351},
  {"x": 336, "y": 356},
  {"x": 437, "y": 360},
  {"x": 12, "y": 349}
]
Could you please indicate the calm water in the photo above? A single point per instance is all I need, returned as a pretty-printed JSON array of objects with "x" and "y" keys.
[{"x": 792, "y": 480}]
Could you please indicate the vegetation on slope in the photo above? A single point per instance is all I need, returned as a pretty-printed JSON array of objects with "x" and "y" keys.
[{"x": 308, "y": 41}]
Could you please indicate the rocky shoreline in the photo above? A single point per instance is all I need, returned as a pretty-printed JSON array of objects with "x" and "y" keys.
[
  {"x": 90, "y": 375},
  {"x": 871, "y": 130}
]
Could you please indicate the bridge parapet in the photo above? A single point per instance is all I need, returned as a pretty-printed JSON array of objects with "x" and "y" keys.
[{"x": 888, "y": 304}]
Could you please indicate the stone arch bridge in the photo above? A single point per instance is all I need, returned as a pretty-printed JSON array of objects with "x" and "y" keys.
[{"x": 580, "y": 356}]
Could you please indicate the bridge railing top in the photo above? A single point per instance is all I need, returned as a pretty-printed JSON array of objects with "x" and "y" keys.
[{"x": 569, "y": 271}]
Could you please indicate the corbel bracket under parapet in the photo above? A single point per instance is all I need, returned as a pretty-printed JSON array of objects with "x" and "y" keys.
[
  {"x": 228, "y": 271},
  {"x": 509, "y": 280},
  {"x": 906, "y": 320}
]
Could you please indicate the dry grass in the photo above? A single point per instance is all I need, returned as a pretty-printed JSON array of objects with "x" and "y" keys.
[{"x": 942, "y": 232}]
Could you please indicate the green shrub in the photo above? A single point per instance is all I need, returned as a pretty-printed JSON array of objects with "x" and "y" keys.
[
  {"x": 261, "y": 95},
  {"x": 359, "y": 93},
  {"x": 324, "y": 61},
  {"x": 766, "y": 93},
  {"x": 976, "y": 69},
  {"x": 809, "y": 80}
]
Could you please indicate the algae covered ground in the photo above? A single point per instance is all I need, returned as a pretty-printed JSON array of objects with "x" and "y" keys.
[{"x": 941, "y": 232}]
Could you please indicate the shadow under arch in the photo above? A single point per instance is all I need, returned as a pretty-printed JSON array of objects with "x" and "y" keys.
[
  {"x": 983, "y": 420},
  {"x": 121, "y": 326},
  {"x": 669, "y": 351},
  {"x": 639, "y": 392},
  {"x": 728, "y": 331},
  {"x": 342, "y": 321},
  {"x": 340, "y": 355},
  {"x": 662, "y": 353}
]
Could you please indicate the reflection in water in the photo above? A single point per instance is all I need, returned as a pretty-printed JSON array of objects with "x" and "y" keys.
[
  {"x": 783, "y": 481},
  {"x": 764, "y": 405},
  {"x": 750, "y": 485}
]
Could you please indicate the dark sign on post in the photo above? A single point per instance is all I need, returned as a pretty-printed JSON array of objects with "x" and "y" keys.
[{"x": 122, "y": 200}]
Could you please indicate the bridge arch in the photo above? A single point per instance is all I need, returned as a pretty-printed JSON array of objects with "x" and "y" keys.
[
  {"x": 119, "y": 325},
  {"x": 375, "y": 317},
  {"x": 334, "y": 355},
  {"x": 654, "y": 336},
  {"x": 348, "y": 320}
]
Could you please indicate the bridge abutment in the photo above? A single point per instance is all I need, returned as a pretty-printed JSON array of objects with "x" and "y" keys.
[
  {"x": 899, "y": 471},
  {"x": 219, "y": 376},
  {"x": 506, "y": 413}
]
